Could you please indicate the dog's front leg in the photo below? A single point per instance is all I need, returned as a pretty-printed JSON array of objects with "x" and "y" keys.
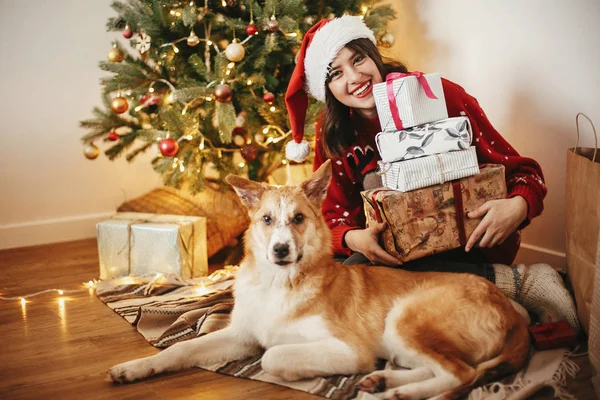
[
  {"x": 221, "y": 346},
  {"x": 306, "y": 360}
]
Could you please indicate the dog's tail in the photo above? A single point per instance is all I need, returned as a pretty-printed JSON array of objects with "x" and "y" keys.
[{"x": 511, "y": 359}]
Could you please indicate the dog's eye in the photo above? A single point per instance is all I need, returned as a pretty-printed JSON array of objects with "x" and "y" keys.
[
  {"x": 298, "y": 219},
  {"x": 267, "y": 220}
]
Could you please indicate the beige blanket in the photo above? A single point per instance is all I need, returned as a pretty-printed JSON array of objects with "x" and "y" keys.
[{"x": 167, "y": 310}]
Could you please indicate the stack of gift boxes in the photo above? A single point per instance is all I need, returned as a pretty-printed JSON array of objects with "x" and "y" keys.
[{"x": 430, "y": 172}]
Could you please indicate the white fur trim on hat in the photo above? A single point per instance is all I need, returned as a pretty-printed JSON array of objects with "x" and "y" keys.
[
  {"x": 297, "y": 151},
  {"x": 324, "y": 47}
]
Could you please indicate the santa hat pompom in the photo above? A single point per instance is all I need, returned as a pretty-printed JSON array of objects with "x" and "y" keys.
[
  {"x": 297, "y": 151},
  {"x": 319, "y": 47}
]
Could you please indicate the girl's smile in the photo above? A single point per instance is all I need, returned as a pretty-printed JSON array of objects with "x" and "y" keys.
[{"x": 351, "y": 79}]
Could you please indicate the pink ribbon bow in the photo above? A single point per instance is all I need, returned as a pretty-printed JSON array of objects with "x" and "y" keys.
[{"x": 392, "y": 99}]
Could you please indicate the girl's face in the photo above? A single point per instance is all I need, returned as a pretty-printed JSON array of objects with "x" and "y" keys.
[{"x": 351, "y": 79}]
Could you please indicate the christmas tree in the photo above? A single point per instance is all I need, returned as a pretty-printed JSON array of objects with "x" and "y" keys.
[{"x": 205, "y": 82}]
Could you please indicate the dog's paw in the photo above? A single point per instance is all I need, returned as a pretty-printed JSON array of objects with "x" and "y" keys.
[
  {"x": 129, "y": 371},
  {"x": 372, "y": 383},
  {"x": 396, "y": 394}
]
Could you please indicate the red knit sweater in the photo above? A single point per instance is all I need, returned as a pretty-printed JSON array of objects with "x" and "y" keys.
[{"x": 343, "y": 207}]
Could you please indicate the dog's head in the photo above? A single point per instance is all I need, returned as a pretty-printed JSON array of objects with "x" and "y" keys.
[{"x": 287, "y": 228}]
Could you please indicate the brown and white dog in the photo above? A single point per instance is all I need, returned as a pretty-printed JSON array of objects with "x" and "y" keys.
[{"x": 313, "y": 317}]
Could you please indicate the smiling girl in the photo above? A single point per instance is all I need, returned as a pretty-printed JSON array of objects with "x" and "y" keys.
[{"x": 338, "y": 64}]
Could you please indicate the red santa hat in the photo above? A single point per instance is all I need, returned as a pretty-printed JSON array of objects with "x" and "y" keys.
[{"x": 320, "y": 46}]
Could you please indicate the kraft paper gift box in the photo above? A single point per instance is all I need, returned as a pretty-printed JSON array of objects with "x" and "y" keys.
[
  {"x": 433, "y": 219},
  {"x": 407, "y": 100},
  {"x": 430, "y": 170},
  {"x": 143, "y": 244},
  {"x": 450, "y": 134}
]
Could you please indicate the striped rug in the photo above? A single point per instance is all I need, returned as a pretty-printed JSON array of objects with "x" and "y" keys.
[{"x": 167, "y": 310}]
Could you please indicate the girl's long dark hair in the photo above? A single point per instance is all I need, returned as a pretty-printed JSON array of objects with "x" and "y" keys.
[{"x": 338, "y": 132}]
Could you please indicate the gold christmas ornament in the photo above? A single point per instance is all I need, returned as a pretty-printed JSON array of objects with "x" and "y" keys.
[
  {"x": 388, "y": 40},
  {"x": 223, "y": 43},
  {"x": 115, "y": 55},
  {"x": 193, "y": 39},
  {"x": 235, "y": 52},
  {"x": 119, "y": 104},
  {"x": 91, "y": 151}
]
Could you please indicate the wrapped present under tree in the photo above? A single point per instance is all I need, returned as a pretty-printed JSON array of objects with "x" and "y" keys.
[{"x": 142, "y": 244}]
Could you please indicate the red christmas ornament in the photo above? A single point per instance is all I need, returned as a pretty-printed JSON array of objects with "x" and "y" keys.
[
  {"x": 269, "y": 97},
  {"x": 127, "y": 32},
  {"x": 250, "y": 152},
  {"x": 168, "y": 147},
  {"x": 114, "y": 136},
  {"x": 251, "y": 29}
]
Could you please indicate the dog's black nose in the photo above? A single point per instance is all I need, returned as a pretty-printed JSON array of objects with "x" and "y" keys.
[{"x": 281, "y": 250}]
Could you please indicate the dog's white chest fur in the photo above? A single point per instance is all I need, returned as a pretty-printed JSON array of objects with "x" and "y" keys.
[{"x": 267, "y": 310}]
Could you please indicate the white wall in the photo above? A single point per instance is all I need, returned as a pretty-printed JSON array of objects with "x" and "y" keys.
[
  {"x": 532, "y": 64},
  {"x": 49, "y": 51}
]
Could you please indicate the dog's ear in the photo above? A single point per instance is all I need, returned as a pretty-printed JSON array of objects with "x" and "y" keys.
[
  {"x": 315, "y": 188},
  {"x": 249, "y": 191}
]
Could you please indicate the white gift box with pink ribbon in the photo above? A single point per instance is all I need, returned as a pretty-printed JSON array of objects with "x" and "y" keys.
[
  {"x": 430, "y": 170},
  {"x": 407, "y": 100}
]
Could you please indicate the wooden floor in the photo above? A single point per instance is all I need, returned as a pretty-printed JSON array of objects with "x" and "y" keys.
[{"x": 61, "y": 349}]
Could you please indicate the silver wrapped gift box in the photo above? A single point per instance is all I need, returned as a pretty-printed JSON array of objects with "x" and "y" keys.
[
  {"x": 450, "y": 134},
  {"x": 143, "y": 244},
  {"x": 430, "y": 170}
]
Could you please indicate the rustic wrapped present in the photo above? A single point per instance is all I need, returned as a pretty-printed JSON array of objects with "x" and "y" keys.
[
  {"x": 141, "y": 244},
  {"x": 450, "y": 134},
  {"x": 434, "y": 219},
  {"x": 430, "y": 170},
  {"x": 407, "y": 100}
]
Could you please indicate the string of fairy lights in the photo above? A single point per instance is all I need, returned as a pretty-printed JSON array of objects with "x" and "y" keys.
[{"x": 199, "y": 285}]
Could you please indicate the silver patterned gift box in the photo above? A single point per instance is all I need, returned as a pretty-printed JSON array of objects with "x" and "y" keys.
[
  {"x": 427, "y": 171},
  {"x": 450, "y": 134},
  {"x": 143, "y": 244},
  {"x": 413, "y": 102}
]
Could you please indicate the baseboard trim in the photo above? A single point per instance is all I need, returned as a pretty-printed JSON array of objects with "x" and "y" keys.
[
  {"x": 530, "y": 254},
  {"x": 50, "y": 230}
]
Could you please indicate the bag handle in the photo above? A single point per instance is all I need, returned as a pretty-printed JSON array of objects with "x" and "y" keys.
[{"x": 595, "y": 136}]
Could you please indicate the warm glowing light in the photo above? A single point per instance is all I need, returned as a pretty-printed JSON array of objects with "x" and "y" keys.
[
  {"x": 151, "y": 90},
  {"x": 269, "y": 140},
  {"x": 184, "y": 111},
  {"x": 209, "y": 43},
  {"x": 201, "y": 146},
  {"x": 127, "y": 280},
  {"x": 172, "y": 12},
  {"x": 228, "y": 72},
  {"x": 61, "y": 292},
  {"x": 231, "y": 65},
  {"x": 266, "y": 130},
  {"x": 284, "y": 161},
  {"x": 364, "y": 9},
  {"x": 138, "y": 108},
  {"x": 208, "y": 98},
  {"x": 200, "y": 290},
  {"x": 181, "y": 167},
  {"x": 23, "y": 301},
  {"x": 170, "y": 98},
  {"x": 249, "y": 82},
  {"x": 224, "y": 3},
  {"x": 241, "y": 165},
  {"x": 272, "y": 109}
]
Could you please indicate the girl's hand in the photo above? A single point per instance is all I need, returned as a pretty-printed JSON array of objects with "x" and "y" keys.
[
  {"x": 366, "y": 241},
  {"x": 501, "y": 218}
]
